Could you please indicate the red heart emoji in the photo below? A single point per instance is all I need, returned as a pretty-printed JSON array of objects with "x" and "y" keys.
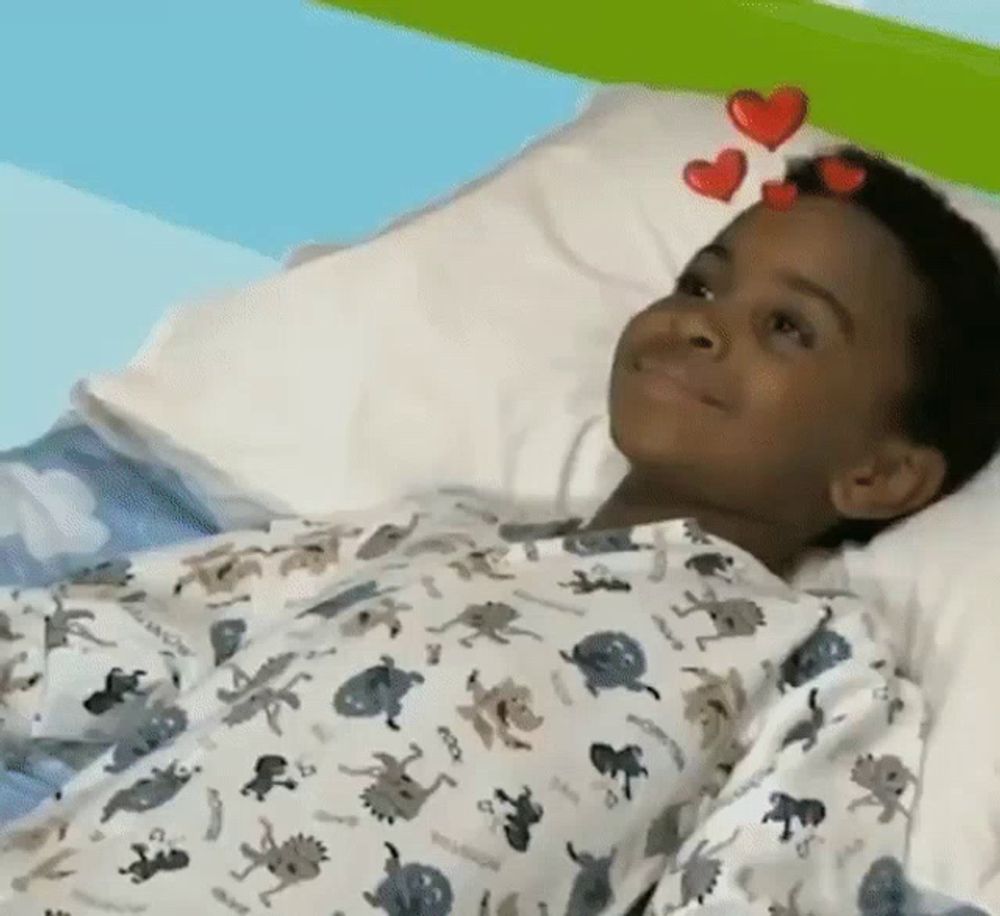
[
  {"x": 772, "y": 121},
  {"x": 718, "y": 179},
  {"x": 841, "y": 177},
  {"x": 779, "y": 195}
]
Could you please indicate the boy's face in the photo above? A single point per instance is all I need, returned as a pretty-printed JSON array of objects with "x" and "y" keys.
[{"x": 775, "y": 365}]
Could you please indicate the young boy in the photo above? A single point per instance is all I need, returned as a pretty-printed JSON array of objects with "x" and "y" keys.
[
  {"x": 633, "y": 715},
  {"x": 840, "y": 358}
]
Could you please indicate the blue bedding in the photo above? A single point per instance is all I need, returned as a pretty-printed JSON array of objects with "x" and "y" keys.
[
  {"x": 68, "y": 502},
  {"x": 24, "y": 786}
]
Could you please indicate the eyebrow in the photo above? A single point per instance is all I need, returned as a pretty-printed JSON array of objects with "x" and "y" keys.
[{"x": 804, "y": 285}]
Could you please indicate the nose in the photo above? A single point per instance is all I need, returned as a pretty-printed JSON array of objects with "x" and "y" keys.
[
  {"x": 693, "y": 329},
  {"x": 702, "y": 339}
]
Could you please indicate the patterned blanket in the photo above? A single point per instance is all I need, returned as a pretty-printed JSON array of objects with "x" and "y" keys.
[{"x": 428, "y": 709}]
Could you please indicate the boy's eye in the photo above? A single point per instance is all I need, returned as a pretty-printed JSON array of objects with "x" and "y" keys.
[
  {"x": 692, "y": 285},
  {"x": 787, "y": 324}
]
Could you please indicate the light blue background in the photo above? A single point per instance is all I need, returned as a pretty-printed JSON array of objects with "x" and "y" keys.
[
  {"x": 977, "y": 20},
  {"x": 154, "y": 153}
]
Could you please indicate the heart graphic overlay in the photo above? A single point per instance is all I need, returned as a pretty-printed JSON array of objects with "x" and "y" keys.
[
  {"x": 841, "y": 177},
  {"x": 720, "y": 179},
  {"x": 779, "y": 195},
  {"x": 769, "y": 121}
]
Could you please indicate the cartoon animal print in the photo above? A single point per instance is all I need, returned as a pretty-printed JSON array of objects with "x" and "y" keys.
[
  {"x": 226, "y": 637},
  {"x": 296, "y": 860},
  {"x": 480, "y": 563},
  {"x": 46, "y": 870},
  {"x": 628, "y": 762},
  {"x": 366, "y": 591},
  {"x": 715, "y": 703},
  {"x": 10, "y": 684},
  {"x": 268, "y": 771},
  {"x": 112, "y": 573},
  {"x": 665, "y": 835},
  {"x": 444, "y": 543},
  {"x": 506, "y": 907},
  {"x": 711, "y": 564},
  {"x": 395, "y": 793},
  {"x": 807, "y": 731},
  {"x": 591, "y": 893},
  {"x": 499, "y": 711},
  {"x": 885, "y": 779},
  {"x": 62, "y": 624},
  {"x": 731, "y": 616},
  {"x": 493, "y": 620},
  {"x": 244, "y": 685},
  {"x": 253, "y": 695},
  {"x": 117, "y": 687},
  {"x": 220, "y": 570},
  {"x": 730, "y": 755},
  {"x": 385, "y": 539},
  {"x": 156, "y": 726},
  {"x": 595, "y": 543},
  {"x": 386, "y": 614},
  {"x": 376, "y": 691},
  {"x": 700, "y": 873},
  {"x": 695, "y": 533},
  {"x": 7, "y": 633},
  {"x": 149, "y": 792},
  {"x": 316, "y": 551},
  {"x": 538, "y": 531},
  {"x": 608, "y": 660},
  {"x": 32, "y": 839},
  {"x": 411, "y": 890},
  {"x": 823, "y": 650},
  {"x": 524, "y": 814},
  {"x": 727, "y": 756},
  {"x": 830, "y": 593},
  {"x": 583, "y": 584},
  {"x": 885, "y": 891},
  {"x": 791, "y": 907},
  {"x": 268, "y": 700},
  {"x": 809, "y": 812},
  {"x": 478, "y": 512},
  {"x": 668, "y": 634},
  {"x": 164, "y": 859}
]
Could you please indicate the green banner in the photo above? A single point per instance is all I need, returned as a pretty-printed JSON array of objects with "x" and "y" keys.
[{"x": 902, "y": 91}]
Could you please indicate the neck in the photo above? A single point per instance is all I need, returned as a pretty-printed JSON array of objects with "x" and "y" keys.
[{"x": 635, "y": 502}]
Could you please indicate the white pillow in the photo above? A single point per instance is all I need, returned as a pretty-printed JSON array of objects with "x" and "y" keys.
[{"x": 470, "y": 343}]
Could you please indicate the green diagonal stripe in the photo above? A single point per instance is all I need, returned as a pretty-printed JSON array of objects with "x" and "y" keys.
[{"x": 925, "y": 97}]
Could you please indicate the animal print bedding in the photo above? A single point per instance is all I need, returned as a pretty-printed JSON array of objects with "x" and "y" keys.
[{"x": 428, "y": 709}]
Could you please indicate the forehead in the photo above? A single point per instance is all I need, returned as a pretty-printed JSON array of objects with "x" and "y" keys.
[{"x": 833, "y": 243}]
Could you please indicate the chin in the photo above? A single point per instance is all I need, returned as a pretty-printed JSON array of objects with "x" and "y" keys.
[{"x": 645, "y": 443}]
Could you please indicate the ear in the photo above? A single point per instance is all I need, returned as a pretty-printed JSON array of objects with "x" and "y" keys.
[{"x": 901, "y": 479}]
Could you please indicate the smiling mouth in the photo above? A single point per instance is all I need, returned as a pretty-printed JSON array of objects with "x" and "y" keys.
[{"x": 663, "y": 381}]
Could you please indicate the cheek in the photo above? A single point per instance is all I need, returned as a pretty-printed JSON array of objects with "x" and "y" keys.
[
  {"x": 815, "y": 418},
  {"x": 774, "y": 395},
  {"x": 794, "y": 412}
]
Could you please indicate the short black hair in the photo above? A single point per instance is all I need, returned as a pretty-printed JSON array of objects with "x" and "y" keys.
[{"x": 954, "y": 403}]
